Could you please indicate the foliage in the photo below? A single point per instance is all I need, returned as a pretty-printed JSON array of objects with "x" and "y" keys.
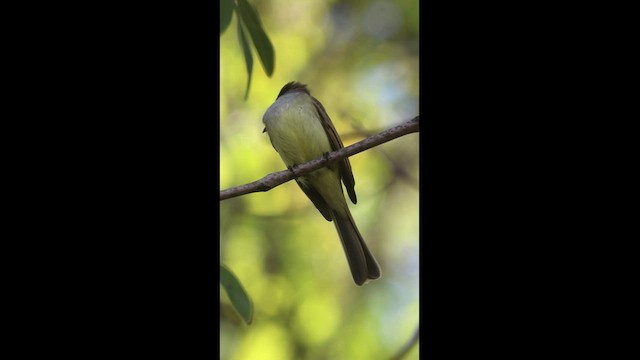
[
  {"x": 238, "y": 296},
  {"x": 248, "y": 19}
]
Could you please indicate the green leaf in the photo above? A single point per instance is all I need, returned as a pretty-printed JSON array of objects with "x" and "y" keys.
[
  {"x": 238, "y": 296},
  {"x": 260, "y": 39},
  {"x": 248, "y": 58},
  {"x": 226, "y": 11}
]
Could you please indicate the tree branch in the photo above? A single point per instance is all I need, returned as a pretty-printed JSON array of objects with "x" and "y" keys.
[{"x": 272, "y": 180}]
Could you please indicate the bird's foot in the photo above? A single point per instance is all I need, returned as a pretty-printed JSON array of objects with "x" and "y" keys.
[{"x": 292, "y": 168}]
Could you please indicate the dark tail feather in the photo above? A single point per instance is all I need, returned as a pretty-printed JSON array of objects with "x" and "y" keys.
[{"x": 362, "y": 263}]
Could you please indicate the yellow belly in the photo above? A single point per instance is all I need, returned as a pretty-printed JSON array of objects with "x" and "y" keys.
[{"x": 295, "y": 129}]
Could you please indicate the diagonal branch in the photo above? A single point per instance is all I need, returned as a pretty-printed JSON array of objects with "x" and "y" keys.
[
  {"x": 408, "y": 346},
  {"x": 272, "y": 180}
]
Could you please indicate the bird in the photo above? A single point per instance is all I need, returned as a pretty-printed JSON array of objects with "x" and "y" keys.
[{"x": 300, "y": 130}]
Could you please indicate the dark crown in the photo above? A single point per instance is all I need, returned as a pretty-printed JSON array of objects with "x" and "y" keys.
[{"x": 293, "y": 86}]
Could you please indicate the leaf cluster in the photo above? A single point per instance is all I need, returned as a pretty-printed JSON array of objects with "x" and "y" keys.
[{"x": 248, "y": 23}]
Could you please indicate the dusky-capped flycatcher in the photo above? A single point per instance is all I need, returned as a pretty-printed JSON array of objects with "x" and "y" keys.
[{"x": 300, "y": 130}]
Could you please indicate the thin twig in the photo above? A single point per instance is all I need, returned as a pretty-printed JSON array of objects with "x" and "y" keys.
[
  {"x": 272, "y": 180},
  {"x": 408, "y": 346},
  {"x": 398, "y": 169}
]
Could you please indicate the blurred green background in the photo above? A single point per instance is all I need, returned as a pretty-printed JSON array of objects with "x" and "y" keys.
[{"x": 360, "y": 59}]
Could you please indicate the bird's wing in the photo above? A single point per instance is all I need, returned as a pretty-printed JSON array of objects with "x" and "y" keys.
[
  {"x": 344, "y": 165},
  {"x": 316, "y": 199}
]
